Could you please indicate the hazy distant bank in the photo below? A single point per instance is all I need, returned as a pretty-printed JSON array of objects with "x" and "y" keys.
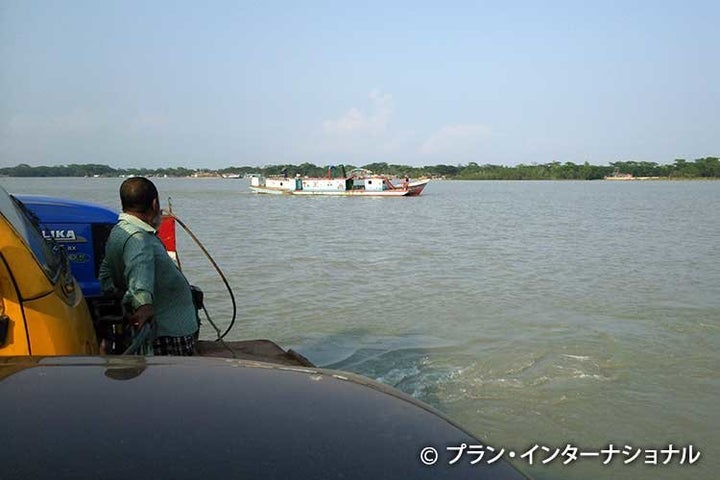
[{"x": 701, "y": 168}]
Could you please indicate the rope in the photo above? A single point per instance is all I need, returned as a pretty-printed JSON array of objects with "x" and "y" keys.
[
  {"x": 217, "y": 331},
  {"x": 139, "y": 340},
  {"x": 222, "y": 276}
]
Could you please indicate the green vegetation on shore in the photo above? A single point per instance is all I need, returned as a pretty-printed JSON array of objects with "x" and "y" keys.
[{"x": 708, "y": 167}]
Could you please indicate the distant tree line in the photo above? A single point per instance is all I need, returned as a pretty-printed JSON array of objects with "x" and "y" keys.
[{"x": 708, "y": 167}]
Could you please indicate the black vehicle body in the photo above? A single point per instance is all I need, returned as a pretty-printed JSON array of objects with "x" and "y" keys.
[{"x": 122, "y": 417}]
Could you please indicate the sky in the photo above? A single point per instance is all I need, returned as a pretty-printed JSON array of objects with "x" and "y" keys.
[{"x": 214, "y": 84}]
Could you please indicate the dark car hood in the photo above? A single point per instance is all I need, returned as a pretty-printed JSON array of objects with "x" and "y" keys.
[{"x": 171, "y": 417}]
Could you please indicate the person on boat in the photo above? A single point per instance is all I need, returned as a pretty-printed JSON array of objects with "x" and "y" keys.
[
  {"x": 406, "y": 182},
  {"x": 137, "y": 267}
]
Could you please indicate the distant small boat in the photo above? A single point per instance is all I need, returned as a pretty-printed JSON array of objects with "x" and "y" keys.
[{"x": 359, "y": 183}]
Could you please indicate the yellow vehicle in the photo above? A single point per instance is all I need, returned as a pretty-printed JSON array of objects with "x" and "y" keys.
[{"x": 42, "y": 309}]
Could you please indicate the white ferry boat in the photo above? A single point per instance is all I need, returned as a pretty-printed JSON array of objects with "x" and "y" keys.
[{"x": 360, "y": 182}]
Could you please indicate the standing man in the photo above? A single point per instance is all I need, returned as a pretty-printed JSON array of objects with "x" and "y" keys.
[{"x": 137, "y": 266}]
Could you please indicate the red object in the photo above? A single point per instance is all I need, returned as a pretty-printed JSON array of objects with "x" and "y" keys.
[{"x": 166, "y": 233}]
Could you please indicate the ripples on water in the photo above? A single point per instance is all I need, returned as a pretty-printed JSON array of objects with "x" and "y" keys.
[{"x": 530, "y": 312}]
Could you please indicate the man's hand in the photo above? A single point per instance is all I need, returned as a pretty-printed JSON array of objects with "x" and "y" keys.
[{"x": 142, "y": 315}]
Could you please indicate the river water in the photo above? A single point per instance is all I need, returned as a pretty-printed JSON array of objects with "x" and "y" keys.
[{"x": 532, "y": 313}]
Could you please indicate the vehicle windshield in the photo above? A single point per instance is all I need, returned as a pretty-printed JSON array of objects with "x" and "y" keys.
[{"x": 26, "y": 224}]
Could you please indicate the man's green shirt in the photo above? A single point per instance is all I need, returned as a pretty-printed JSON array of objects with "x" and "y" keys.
[{"x": 137, "y": 264}]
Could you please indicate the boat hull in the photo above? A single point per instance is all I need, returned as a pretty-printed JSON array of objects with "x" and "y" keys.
[{"x": 414, "y": 189}]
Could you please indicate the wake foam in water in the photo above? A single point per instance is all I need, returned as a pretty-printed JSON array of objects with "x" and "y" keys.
[
  {"x": 435, "y": 372},
  {"x": 407, "y": 363}
]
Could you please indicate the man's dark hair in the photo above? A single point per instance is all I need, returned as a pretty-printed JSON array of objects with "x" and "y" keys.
[{"x": 137, "y": 195}]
